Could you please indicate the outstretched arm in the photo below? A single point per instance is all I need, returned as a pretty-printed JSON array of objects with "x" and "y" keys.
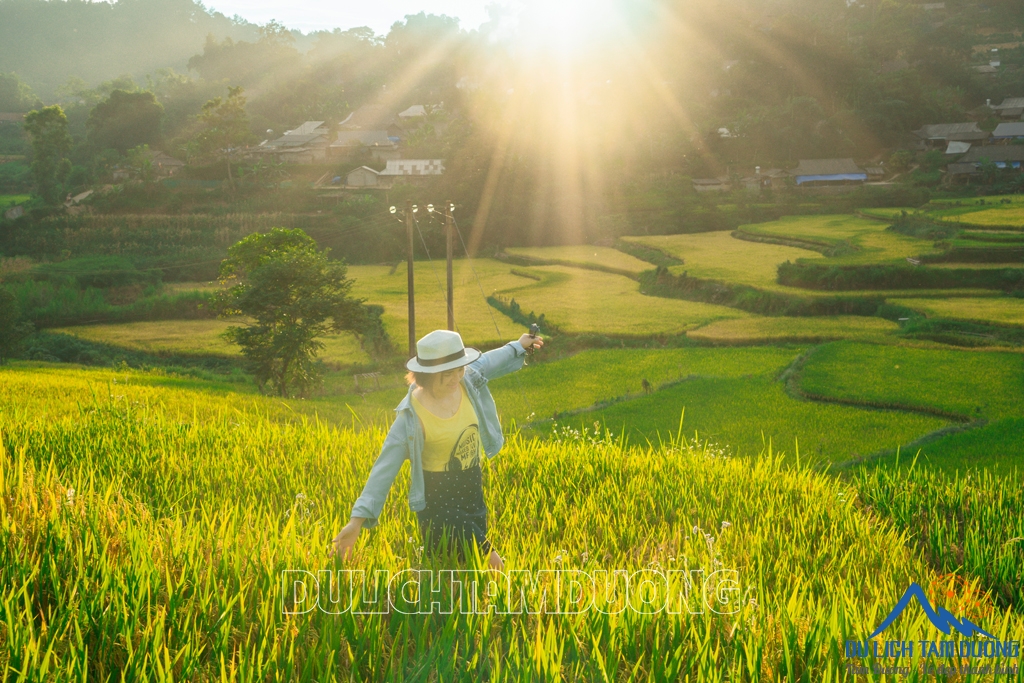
[
  {"x": 368, "y": 506},
  {"x": 508, "y": 358}
]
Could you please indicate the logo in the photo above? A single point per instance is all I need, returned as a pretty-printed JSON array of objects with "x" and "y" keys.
[
  {"x": 941, "y": 618},
  {"x": 963, "y": 654}
]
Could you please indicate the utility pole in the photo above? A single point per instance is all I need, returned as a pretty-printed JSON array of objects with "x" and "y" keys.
[
  {"x": 412, "y": 286},
  {"x": 448, "y": 241}
]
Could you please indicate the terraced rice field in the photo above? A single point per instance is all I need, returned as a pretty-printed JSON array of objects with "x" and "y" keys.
[
  {"x": 719, "y": 256},
  {"x": 201, "y": 338},
  {"x": 997, "y": 310},
  {"x": 586, "y": 301},
  {"x": 600, "y": 257},
  {"x": 874, "y": 243},
  {"x": 761, "y": 330}
]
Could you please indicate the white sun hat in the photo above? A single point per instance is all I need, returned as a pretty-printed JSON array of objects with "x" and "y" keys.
[{"x": 441, "y": 350}]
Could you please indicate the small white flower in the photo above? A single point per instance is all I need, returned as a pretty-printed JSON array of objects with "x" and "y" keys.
[{"x": 726, "y": 525}]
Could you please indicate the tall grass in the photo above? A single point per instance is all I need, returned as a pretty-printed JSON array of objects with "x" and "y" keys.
[
  {"x": 140, "y": 542},
  {"x": 969, "y": 522}
]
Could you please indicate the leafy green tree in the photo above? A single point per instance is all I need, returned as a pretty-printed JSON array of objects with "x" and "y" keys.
[
  {"x": 13, "y": 330},
  {"x": 16, "y": 95},
  {"x": 125, "y": 120},
  {"x": 48, "y": 128},
  {"x": 140, "y": 159},
  {"x": 294, "y": 294},
  {"x": 225, "y": 125}
]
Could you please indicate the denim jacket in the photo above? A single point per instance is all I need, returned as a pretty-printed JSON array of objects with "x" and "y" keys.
[{"x": 405, "y": 438}]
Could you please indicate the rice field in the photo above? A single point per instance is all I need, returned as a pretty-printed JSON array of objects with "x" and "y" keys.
[
  {"x": 886, "y": 213},
  {"x": 9, "y": 200},
  {"x": 971, "y": 384},
  {"x": 996, "y": 310},
  {"x": 719, "y": 256},
  {"x": 582, "y": 301},
  {"x": 874, "y": 243},
  {"x": 984, "y": 215},
  {"x": 587, "y": 256},
  {"x": 475, "y": 319},
  {"x": 602, "y": 375},
  {"x": 767, "y": 330},
  {"x": 742, "y": 415},
  {"x": 201, "y": 337},
  {"x": 142, "y": 543}
]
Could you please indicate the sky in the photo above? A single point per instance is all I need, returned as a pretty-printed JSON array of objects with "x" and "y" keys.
[{"x": 313, "y": 15}]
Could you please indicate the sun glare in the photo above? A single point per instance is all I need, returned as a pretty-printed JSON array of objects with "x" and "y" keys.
[{"x": 566, "y": 26}]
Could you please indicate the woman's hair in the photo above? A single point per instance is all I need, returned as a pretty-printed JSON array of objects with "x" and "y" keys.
[{"x": 423, "y": 379}]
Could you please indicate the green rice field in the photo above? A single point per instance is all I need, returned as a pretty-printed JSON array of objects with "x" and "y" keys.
[
  {"x": 589, "y": 256},
  {"x": 996, "y": 310},
  {"x": 761, "y": 329},
  {"x": 150, "y": 536}
]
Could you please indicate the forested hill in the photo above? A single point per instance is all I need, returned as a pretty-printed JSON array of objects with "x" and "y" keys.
[{"x": 47, "y": 42}]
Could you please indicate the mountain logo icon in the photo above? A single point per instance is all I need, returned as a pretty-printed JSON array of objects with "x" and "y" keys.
[{"x": 941, "y": 618}]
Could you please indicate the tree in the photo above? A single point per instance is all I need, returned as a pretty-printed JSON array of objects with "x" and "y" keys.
[
  {"x": 140, "y": 159},
  {"x": 125, "y": 120},
  {"x": 294, "y": 294},
  {"x": 16, "y": 95},
  {"x": 48, "y": 128},
  {"x": 225, "y": 125},
  {"x": 12, "y": 329}
]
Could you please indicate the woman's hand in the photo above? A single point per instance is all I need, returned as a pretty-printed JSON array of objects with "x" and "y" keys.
[
  {"x": 346, "y": 538},
  {"x": 495, "y": 561},
  {"x": 528, "y": 341}
]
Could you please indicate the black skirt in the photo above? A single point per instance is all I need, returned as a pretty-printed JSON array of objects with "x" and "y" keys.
[{"x": 456, "y": 514}]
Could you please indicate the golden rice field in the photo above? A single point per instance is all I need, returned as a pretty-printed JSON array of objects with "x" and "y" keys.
[
  {"x": 580, "y": 301},
  {"x": 761, "y": 330},
  {"x": 145, "y": 543},
  {"x": 874, "y": 243},
  {"x": 200, "y": 337},
  {"x": 719, "y": 256},
  {"x": 998, "y": 310},
  {"x": 475, "y": 319},
  {"x": 585, "y": 255}
]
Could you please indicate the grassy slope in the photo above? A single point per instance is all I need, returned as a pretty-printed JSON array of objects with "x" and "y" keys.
[{"x": 176, "y": 538}]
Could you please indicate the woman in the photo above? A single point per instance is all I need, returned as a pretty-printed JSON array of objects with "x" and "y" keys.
[{"x": 445, "y": 421}]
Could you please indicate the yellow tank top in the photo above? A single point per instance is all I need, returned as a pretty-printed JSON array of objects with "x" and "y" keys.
[{"x": 452, "y": 444}]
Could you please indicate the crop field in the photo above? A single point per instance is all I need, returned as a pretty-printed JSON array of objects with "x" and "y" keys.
[
  {"x": 600, "y": 257},
  {"x": 201, "y": 337},
  {"x": 825, "y": 432},
  {"x": 577, "y": 300},
  {"x": 998, "y": 310},
  {"x": 602, "y": 375},
  {"x": 153, "y": 545},
  {"x": 475, "y": 319},
  {"x": 873, "y": 242},
  {"x": 886, "y": 213},
  {"x": 967, "y": 383},
  {"x": 719, "y": 256},
  {"x": 9, "y": 200},
  {"x": 761, "y": 329}
]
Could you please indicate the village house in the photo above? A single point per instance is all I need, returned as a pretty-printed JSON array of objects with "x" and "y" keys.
[
  {"x": 720, "y": 184},
  {"x": 1006, "y": 132},
  {"x": 412, "y": 170},
  {"x": 970, "y": 164},
  {"x": 361, "y": 177},
  {"x": 380, "y": 146},
  {"x": 1010, "y": 108},
  {"x": 306, "y": 144},
  {"x": 941, "y": 134},
  {"x": 371, "y": 117},
  {"x": 828, "y": 173}
]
